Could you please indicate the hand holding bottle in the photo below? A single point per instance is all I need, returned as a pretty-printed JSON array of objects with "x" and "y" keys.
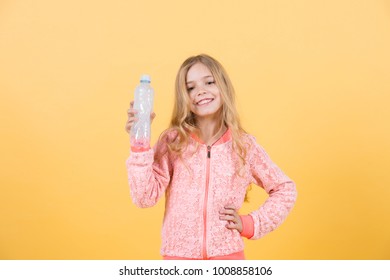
[{"x": 131, "y": 118}]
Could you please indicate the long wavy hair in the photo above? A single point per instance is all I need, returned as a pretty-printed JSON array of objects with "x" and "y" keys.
[{"x": 183, "y": 121}]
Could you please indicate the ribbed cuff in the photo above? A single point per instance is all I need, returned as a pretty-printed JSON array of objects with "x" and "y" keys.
[
  {"x": 248, "y": 229},
  {"x": 139, "y": 149}
]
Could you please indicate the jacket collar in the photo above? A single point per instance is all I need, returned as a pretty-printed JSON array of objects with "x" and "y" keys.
[{"x": 223, "y": 139}]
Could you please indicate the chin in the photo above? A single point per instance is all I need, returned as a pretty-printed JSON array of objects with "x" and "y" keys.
[{"x": 207, "y": 113}]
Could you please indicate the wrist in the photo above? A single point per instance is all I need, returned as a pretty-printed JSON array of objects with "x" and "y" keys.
[{"x": 247, "y": 226}]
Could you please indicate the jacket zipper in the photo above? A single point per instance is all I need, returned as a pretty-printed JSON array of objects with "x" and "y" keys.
[{"x": 205, "y": 203}]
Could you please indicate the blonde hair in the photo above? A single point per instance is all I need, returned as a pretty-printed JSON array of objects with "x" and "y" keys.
[{"x": 183, "y": 121}]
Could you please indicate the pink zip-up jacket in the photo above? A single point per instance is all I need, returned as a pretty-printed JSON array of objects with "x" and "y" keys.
[{"x": 200, "y": 184}]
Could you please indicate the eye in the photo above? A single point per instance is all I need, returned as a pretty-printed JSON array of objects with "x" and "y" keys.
[
  {"x": 189, "y": 89},
  {"x": 210, "y": 82}
]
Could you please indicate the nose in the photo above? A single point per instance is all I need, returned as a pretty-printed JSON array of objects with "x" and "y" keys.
[{"x": 201, "y": 90}]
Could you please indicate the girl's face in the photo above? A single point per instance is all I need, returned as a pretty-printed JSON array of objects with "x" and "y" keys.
[{"x": 203, "y": 91}]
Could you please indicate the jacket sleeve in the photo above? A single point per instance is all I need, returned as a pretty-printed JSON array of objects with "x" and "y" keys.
[
  {"x": 280, "y": 188},
  {"x": 148, "y": 177}
]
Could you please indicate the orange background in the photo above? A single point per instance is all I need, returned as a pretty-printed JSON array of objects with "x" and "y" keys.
[{"x": 313, "y": 85}]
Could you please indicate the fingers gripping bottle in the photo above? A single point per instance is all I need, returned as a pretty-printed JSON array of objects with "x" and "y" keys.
[{"x": 143, "y": 105}]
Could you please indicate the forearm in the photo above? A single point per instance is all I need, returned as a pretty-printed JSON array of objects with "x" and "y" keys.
[
  {"x": 147, "y": 181},
  {"x": 275, "y": 209}
]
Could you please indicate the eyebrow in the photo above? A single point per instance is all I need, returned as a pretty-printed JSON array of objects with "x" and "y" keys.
[{"x": 208, "y": 76}]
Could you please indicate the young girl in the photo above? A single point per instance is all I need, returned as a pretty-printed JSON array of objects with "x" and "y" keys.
[{"x": 203, "y": 164}]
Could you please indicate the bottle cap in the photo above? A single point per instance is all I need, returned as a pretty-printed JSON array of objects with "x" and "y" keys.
[{"x": 145, "y": 78}]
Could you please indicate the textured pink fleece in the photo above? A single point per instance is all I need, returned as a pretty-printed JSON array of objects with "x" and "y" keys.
[{"x": 197, "y": 187}]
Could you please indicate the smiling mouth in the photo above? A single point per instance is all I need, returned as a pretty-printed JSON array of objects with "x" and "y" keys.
[{"x": 204, "y": 101}]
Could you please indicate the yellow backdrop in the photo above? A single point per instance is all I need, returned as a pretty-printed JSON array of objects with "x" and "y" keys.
[{"x": 313, "y": 85}]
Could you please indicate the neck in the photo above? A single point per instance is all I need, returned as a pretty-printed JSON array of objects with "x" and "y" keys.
[{"x": 210, "y": 130}]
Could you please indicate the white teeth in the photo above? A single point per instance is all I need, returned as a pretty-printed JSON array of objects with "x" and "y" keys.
[{"x": 204, "y": 101}]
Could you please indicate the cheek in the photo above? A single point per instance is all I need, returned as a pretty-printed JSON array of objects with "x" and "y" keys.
[
  {"x": 191, "y": 98},
  {"x": 218, "y": 101},
  {"x": 193, "y": 108},
  {"x": 191, "y": 101}
]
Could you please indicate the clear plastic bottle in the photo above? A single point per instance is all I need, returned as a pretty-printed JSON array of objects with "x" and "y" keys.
[{"x": 143, "y": 105}]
